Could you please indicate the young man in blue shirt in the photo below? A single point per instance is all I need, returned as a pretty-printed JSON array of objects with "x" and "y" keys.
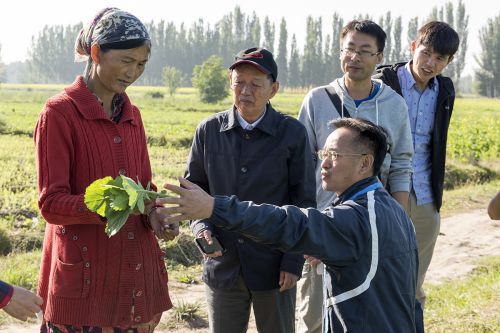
[{"x": 430, "y": 98}]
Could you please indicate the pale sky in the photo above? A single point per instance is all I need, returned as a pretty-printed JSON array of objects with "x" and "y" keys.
[{"x": 22, "y": 19}]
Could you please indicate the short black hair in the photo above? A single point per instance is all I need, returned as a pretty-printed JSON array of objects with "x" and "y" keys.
[
  {"x": 367, "y": 27},
  {"x": 440, "y": 36},
  {"x": 371, "y": 136}
]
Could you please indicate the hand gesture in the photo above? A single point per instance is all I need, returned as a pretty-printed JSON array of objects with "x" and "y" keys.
[{"x": 23, "y": 304}]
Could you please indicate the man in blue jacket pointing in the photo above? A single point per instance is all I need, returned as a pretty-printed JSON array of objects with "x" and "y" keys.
[{"x": 365, "y": 238}]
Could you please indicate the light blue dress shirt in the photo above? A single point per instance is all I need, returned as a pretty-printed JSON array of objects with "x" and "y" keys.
[{"x": 422, "y": 111}]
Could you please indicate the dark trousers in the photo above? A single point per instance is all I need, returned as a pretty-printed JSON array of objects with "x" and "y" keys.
[{"x": 229, "y": 309}]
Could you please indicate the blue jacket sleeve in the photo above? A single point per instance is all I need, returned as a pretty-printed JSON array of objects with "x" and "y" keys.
[{"x": 337, "y": 237}]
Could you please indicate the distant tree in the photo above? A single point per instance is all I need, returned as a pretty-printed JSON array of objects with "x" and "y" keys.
[
  {"x": 294, "y": 65},
  {"x": 210, "y": 78},
  {"x": 387, "y": 26},
  {"x": 172, "y": 77},
  {"x": 312, "y": 64},
  {"x": 268, "y": 35},
  {"x": 412, "y": 35},
  {"x": 51, "y": 57},
  {"x": 2, "y": 67},
  {"x": 459, "y": 20},
  {"x": 397, "y": 54},
  {"x": 281, "y": 59},
  {"x": 253, "y": 30},
  {"x": 337, "y": 24},
  {"x": 488, "y": 74}
]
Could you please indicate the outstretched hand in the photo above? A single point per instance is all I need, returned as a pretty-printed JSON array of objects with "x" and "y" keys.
[
  {"x": 24, "y": 304},
  {"x": 192, "y": 203}
]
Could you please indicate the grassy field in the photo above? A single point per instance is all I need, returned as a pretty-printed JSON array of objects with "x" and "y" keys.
[{"x": 472, "y": 177}]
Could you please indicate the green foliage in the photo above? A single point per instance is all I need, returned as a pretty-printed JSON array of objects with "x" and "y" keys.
[
  {"x": 5, "y": 245},
  {"x": 26, "y": 241},
  {"x": 210, "y": 78},
  {"x": 21, "y": 269},
  {"x": 172, "y": 78},
  {"x": 3, "y": 126},
  {"x": 466, "y": 306},
  {"x": 460, "y": 175},
  {"x": 115, "y": 199},
  {"x": 474, "y": 136},
  {"x": 488, "y": 72}
]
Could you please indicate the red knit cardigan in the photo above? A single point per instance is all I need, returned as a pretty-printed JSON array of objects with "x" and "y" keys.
[{"x": 87, "y": 278}]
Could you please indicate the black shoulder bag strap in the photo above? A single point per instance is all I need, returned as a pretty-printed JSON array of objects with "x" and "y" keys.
[{"x": 334, "y": 97}]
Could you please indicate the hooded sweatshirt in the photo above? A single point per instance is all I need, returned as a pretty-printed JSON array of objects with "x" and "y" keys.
[{"x": 387, "y": 109}]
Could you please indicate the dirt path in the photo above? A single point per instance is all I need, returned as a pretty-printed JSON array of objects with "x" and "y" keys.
[{"x": 464, "y": 238}]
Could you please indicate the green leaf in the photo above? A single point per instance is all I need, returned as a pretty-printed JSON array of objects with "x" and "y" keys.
[
  {"x": 132, "y": 190},
  {"x": 115, "y": 199},
  {"x": 95, "y": 195},
  {"x": 116, "y": 221},
  {"x": 118, "y": 199}
]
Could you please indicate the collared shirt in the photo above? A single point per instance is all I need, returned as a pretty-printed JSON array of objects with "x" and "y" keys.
[
  {"x": 6, "y": 292},
  {"x": 246, "y": 125},
  {"x": 273, "y": 164},
  {"x": 421, "y": 111}
]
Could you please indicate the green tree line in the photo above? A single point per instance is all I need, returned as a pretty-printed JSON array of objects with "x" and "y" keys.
[{"x": 317, "y": 62}]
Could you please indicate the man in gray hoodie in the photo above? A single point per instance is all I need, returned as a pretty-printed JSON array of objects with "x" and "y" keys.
[{"x": 356, "y": 95}]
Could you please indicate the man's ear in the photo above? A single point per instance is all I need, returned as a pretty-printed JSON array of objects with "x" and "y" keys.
[
  {"x": 366, "y": 167},
  {"x": 275, "y": 87},
  {"x": 413, "y": 46},
  {"x": 95, "y": 53}
]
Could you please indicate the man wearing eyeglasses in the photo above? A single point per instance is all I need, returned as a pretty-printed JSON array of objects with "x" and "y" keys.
[
  {"x": 365, "y": 238},
  {"x": 359, "y": 96}
]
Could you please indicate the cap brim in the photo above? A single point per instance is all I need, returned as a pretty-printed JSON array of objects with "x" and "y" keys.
[{"x": 256, "y": 65}]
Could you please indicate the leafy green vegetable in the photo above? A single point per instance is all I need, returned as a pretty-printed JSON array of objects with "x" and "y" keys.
[{"x": 115, "y": 199}]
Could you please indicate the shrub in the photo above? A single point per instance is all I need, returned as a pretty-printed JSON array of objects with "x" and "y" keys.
[
  {"x": 456, "y": 176},
  {"x": 3, "y": 127},
  {"x": 210, "y": 78},
  {"x": 172, "y": 77},
  {"x": 26, "y": 241},
  {"x": 5, "y": 245},
  {"x": 185, "y": 310},
  {"x": 155, "y": 94}
]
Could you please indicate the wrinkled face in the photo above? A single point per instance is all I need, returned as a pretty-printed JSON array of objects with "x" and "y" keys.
[
  {"x": 427, "y": 63},
  {"x": 118, "y": 69},
  {"x": 337, "y": 174},
  {"x": 359, "y": 56},
  {"x": 252, "y": 89}
]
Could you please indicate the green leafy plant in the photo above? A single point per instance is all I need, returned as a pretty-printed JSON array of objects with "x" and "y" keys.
[
  {"x": 185, "y": 310},
  {"x": 115, "y": 199}
]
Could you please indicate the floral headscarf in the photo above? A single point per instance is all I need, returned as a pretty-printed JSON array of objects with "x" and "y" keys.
[{"x": 110, "y": 25}]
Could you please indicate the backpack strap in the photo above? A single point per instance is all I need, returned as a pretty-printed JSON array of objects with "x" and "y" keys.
[{"x": 337, "y": 103}]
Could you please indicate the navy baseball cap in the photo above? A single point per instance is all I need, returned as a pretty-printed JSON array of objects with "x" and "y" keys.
[{"x": 259, "y": 57}]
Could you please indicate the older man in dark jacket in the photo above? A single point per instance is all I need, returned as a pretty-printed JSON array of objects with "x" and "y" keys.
[
  {"x": 254, "y": 152},
  {"x": 365, "y": 238}
]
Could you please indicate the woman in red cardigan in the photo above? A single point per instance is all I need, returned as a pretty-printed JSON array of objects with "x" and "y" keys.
[{"x": 90, "y": 282}]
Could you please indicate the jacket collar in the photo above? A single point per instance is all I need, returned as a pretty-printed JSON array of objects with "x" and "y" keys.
[
  {"x": 354, "y": 188},
  {"x": 90, "y": 108},
  {"x": 268, "y": 124}
]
